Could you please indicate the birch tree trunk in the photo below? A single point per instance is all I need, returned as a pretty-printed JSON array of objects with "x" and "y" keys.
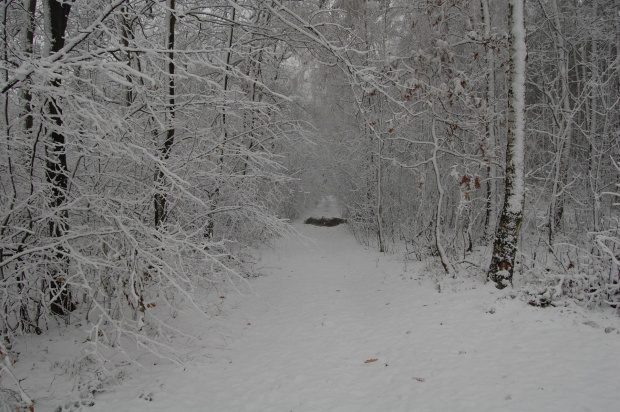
[
  {"x": 507, "y": 233},
  {"x": 445, "y": 262}
]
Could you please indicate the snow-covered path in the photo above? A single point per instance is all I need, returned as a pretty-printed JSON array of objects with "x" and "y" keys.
[{"x": 336, "y": 327}]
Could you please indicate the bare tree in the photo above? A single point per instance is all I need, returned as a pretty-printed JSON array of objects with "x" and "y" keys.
[
  {"x": 507, "y": 234},
  {"x": 160, "y": 201},
  {"x": 56, "y": 170}
]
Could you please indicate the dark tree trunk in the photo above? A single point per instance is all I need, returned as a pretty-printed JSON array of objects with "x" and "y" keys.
[
  {"x": 215, "y": 192},
  {"x": 161, "y": 201},
  {"x": 30, "y": 6},
  {"x": 56, "y": 171},
  {"x": 126, "y": 36}
]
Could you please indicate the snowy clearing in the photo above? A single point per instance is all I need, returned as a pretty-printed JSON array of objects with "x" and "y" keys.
[{"x": 334, "y": 326}]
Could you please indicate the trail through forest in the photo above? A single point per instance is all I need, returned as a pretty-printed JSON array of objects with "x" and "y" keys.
[
  {"x": 334, "y": 326},
  {"x": 155, "y": 152}
]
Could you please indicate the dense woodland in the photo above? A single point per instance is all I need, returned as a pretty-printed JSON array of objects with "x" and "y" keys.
[{"x": 148, "y": 146}]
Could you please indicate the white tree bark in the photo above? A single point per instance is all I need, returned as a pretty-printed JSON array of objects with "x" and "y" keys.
[
  {"x": 445, "y": 262},
  {"x": 507, "y": 233}
]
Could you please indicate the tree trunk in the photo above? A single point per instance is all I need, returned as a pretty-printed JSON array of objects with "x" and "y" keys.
[
  {"x": 594, "y": 155},
  {"x": 445, "y": 262},
  {"x": 56, "y": 171},
  {"x": 160, "y": 200},
  {"x": 126, "y": 36},
  {"x": 507, "y": 234},
  {"x": 30, "y": 7},
  {"x": 28, "y": 39},
  {"x": 379, "y": 216},
  {"x": 489, "y": 139},
  {"x": 556, "y": 208},
  {"x": 213, "y": 196}
]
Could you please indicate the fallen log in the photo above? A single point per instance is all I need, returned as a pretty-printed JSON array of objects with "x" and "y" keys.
[{"x": 325, "y": 221}]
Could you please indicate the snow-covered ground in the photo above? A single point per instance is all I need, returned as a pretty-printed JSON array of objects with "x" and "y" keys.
[{"x": 334, "y": 326}]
